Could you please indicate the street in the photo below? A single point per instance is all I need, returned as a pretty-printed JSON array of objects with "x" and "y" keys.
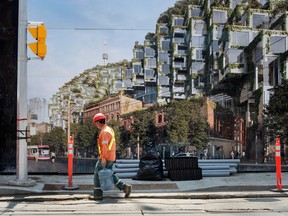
[{"x": 120, "y": 206}]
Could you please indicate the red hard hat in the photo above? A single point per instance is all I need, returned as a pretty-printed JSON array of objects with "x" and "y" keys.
[{"x": 98, "y": 117}]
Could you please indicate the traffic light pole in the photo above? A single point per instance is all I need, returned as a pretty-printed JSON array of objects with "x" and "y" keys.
[{"x": 22, "y": 120}]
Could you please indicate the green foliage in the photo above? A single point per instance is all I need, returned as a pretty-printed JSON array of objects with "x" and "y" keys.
[
  {"x": 143, "y": 127},
  {"x": 36, "y": 139},
  {"x": 56, "y": 138},
  {"x": 187, "y": 123},
  {"x": 277, "y": 112},
  {"x": 279, "y": 6},
  {"x": 86, "y": 135}
]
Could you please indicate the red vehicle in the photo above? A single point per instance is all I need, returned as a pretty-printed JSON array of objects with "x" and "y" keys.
[{"x": 38, "y": 152}]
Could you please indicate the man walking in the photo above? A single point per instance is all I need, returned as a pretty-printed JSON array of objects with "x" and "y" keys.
[{"x": 106, "y": 156}]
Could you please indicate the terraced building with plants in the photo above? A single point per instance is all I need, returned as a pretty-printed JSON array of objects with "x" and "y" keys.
[{"x": 233, "y": 51}]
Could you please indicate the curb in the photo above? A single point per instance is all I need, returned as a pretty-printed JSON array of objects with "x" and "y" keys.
[{"x": 61, "y": 197}]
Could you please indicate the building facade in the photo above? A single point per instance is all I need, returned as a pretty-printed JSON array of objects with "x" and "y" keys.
[
  {"x": 113, "y": 107},
  {"x": 231, "y": 50}
]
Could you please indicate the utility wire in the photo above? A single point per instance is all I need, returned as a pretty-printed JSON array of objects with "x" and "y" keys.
[{"x": 102, "y": 29}]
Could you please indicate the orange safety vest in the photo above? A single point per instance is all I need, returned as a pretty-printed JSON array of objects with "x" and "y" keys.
[{"x": 107, "y": 144}]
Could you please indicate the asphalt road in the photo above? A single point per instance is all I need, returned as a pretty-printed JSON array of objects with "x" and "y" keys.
[{"x": 132, "y": 206}]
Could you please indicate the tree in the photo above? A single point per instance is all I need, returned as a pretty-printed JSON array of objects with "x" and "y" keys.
[
  {"x": 143, "y": 127},
  {"x": 86, "y": 135},
  {"x": 186, "y": 122},
  {"x": 36, "y": 139},
  {"x": 56, "y": 139},
  {"x": 177, "y": 122},
  {"x": 277, "y": 112},
  {"x": 198, "y": 125}
]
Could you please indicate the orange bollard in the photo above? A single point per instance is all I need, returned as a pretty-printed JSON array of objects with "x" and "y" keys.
[
  {"x": 278, "y": 164},
  {"x": 70, "y": 166},
  {"x": 70, "y": 161},
  {"x": 278, "y": 167}
]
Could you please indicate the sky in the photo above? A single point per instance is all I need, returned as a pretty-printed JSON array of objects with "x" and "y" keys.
[{"x": 70, "y": 51}]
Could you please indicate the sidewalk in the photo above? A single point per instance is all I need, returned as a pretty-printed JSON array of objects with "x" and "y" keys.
[{"x": 50, "y": 187}]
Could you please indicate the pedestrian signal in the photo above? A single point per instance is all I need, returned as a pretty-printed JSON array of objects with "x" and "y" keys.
[{"x": 39, "y": 47}]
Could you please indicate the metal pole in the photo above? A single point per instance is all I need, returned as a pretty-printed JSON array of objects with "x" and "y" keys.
[
  {"x": 21, "y": 162},
  {"x": 21, "y": 145},
  {"x": 256, "y": 148},
  {"x": 69, "y": 120},
  {"x": 138, "y": 150}
]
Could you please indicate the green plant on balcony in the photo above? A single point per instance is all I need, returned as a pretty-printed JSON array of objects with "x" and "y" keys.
[{"x": 76, "y": 90}]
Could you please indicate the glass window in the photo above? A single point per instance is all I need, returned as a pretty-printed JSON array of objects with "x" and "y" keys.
[
  {"x": 219, "y": 16},
  {"x": 239, "y": 38},
  {"x": 163, "y": 30},
  {"x": 139, "y": 54},
  {"x": 128, "y": 73},
  {"x": 137, "y": 68},
  {"x": 166, "y": 45},
  {"x": 278, "y": 44},
  {"x": 260, "y": 20},
  {"x": 151, "y": 62},
  {"x": 149, "y": 74},
  {"x": 163, "y": 57},
  {"x": 149, "y": 52},
  {"x": 197, "y": 41},
  {"x": 195, "y": 12},
  {"x": 179, "y": 21},
  {"x": 163, "y": 80},
  {"x": 166, "y": 68}
]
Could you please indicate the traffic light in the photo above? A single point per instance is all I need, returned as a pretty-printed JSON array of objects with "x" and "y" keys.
[{"x": 39, "y": 47}]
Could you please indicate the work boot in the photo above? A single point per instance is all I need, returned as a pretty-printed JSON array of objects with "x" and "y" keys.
[{"x": 127, "y": 190}]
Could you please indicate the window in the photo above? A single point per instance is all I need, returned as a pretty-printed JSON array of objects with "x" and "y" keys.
[
  {"x": 151, "y": 63},
  {"x": 163, "y": 30},
  {"x": 105, "y": 73},
  {"x": 199, "y": 55},
  {"x": 277, "y": 44},
  {"x": 163, "y": 57},
  {"x": 199, "y": 28},
  {"x": 219, "y": 16},
  {"x": 149, "y": 74},
  {"x": 197, "y": 41},
  {"x": 137, "y": 68},
  {"x": 260, "y": 20},
  {"x": 195, "y": 12},
  {"x": 239, "y": 38},
  {"x": 149, "y": 52},
  {"x": 128, "y": 73},
  {"x": 139, "y": 54},
  {"x": 166, "y": 45},
  {"x": 163, "y": 80},
  {"x": 166, "y": 68},
  {"x": 178, "y": 21}
]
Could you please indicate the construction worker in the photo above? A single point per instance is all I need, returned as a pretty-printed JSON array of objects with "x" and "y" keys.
[{"x": 106, "y": 156}]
